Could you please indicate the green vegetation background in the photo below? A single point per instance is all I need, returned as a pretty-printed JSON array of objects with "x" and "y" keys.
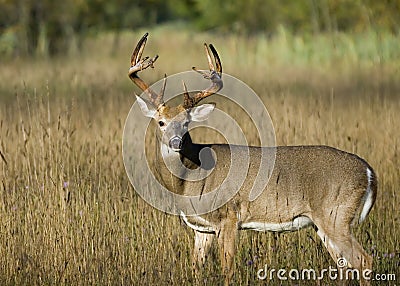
[{"x": 45, "y": 27}]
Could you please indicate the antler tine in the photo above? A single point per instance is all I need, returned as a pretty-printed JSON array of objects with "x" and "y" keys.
[
  {"x": 210, "y": 63},
  {"x": 214, "y": 75},
  {"x": 138, "y": 51},
  {"x": 139, "y": 64},
  {"x": 187, "y": 100},
  {"x": 163, "y": 86},
  {"x": 217, "y": 60}
]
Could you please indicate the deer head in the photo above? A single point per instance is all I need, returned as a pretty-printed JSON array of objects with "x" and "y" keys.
[{"x": 173, "y": 121}]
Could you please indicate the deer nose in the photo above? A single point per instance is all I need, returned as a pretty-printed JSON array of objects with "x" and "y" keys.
[{"x": 175, "y": 143}]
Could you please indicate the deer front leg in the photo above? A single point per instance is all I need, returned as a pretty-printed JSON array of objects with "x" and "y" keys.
[
  {"x": 226, "y": 243},
  {"x": 202, "y": 245}
]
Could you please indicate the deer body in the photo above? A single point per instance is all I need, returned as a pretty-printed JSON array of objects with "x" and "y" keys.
[
  {"x": 317, "y": 186},
  {"x": 304, "y": 178}
]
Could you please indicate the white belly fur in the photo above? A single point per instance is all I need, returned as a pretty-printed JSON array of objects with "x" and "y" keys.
[
  {"x": 200, "y": 224},
  {"x": 296, "y": 224}
]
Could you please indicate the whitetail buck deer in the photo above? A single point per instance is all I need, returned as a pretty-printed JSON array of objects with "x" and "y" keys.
[{"x": 315, "y": 186}]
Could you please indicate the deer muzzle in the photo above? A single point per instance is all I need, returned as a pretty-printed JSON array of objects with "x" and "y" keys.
[{"x": 175, "y": 143}]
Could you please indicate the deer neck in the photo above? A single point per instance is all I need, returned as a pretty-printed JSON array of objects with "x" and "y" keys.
[
  {"x": 190, "y": 158},
  {"x": 190, "y": 153}
]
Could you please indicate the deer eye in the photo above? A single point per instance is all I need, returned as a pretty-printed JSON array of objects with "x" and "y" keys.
[{"x": 161, "y": 123}]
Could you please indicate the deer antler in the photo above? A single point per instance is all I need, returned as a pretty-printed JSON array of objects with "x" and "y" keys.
[
  {"x": 214, "y": 75},
  {"x": 139, "y": 64}
]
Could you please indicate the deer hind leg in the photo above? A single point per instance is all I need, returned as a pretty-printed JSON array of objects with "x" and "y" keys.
[
  {"x": 341, "y": 244},
  {"x": 202, "y": 245},
  {"x": 227, "y": 243}
]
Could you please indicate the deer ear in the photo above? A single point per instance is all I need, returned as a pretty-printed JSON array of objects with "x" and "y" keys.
[
  {"x": 201, "y": 112},
  {"x": 144, "y": 106}
]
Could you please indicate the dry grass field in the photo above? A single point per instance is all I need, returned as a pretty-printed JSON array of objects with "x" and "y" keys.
[{"x": 68, "y": 213}]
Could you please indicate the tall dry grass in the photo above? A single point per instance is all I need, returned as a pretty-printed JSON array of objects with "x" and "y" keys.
[{"x": 68, "y": 214}]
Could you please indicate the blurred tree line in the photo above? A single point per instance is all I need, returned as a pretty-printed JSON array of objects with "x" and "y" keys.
[{"x": 47, "y": 27}]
